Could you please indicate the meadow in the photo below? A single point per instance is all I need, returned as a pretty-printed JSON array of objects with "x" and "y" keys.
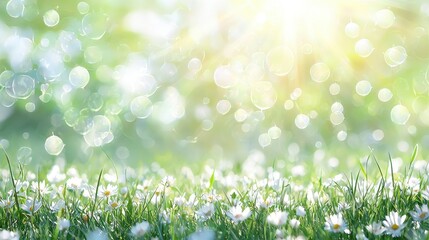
[{"x": 214, "y": 119}]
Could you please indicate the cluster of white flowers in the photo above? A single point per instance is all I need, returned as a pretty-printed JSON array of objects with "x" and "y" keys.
[{"x": 284, "y": 212}]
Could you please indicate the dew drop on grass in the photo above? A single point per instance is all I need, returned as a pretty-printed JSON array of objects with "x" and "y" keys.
[
  {"x": 274, "y": 132},
  {"x": 384, "y": 95},
  {"x": 363, "y": 87},
  {"x": 51, "y": 18},
  {"x": 395, "y": 56},
  {"x": 364, "y": 48},
  {"x": 384, "y": 18},
  {"x": 141, "y": 107},
  {"x": 352, "y": 30},
  {"x": 15, "y": 8},
  {"x": 223, "y": 106},
  {"x": 320, "y": 72},
  {"x": 224, "y": 77},
  {"x": 263, "y": 95},
  {"x": 280, "y": 60},
  {"x": 54, "y": 145},
  {"x": 79, "y": 77},
  {"x": 24, "y": 155},
  {"x": 22, "y": 87},
  {"x": 302, "y": 121},
  {"x": 399, "y": 114},
  {"x": 264, "y": 140},
  {"x": 94, "y": 25}
]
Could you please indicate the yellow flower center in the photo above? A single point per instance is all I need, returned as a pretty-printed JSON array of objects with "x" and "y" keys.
[
  {"x": 114, "y": 204},
  {"x": 336, "y": 226},
  {"x": 422, "y": 215},
  {"x": 31, "y": 208},
  {"x": 107, "y": 193},
  {"x": 395, "y": 226}
]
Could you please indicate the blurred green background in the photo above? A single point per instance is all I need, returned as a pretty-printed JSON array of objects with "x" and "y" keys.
[{"x": 304, "y": 86}]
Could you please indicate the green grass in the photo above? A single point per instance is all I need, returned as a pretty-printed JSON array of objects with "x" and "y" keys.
[{"x": 155, "y": 198}]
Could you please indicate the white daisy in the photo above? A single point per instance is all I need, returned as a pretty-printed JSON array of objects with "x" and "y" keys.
[
  {"x": 140, "y": 229},
  {"x": 294, "y": 223},
  {"x": 394, "y": 224},
  {"x": 420, "y": 213},
  {"x": 277, "y": 218},
  {"x": 336, "y": 224},
  {"x": 9, "y": 235},
  {"x": 376, "y": 228},
  {"x": 31, "y": 206},
  {"x": 108, "y": 191},
  {"x": 300, "y": 211},
  {"x": 237, "y": 214},
  {"x": 63, "y": 224},
  {"x": 206, "y": 211}
]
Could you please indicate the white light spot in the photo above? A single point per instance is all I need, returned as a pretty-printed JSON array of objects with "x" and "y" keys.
[
  {"x": 320, "y": 72},
  {"x": 341, "y": 135},
  {"x": 280, "y": 60},
  {"x": 302, "y": 121},
  {"x": 51, "y": 18},
  {"x": 274, "y": 132},
  {"x": 194, "y": 65},
  {"x": 54, "y": 145},
  {"x": 288, "y": 105},
  {"x": 395, "y": 56},
  {"x": 223, "y": 107},
  {"x": 79, "y": 77},
  {"x": 336, "y": 118},
  {"x": 15, "y": 8},
  {"x": 334, "y": 89},
  {"x": 94, "y": 25},
  {"x": 378, "y": 135},
  {"x": 263, "y": 95},
  {"x": 30, "y": 107},
  {"x": 364, "y": 48},
  {"x": 363, "y": 88},
  {"x": 224, "y": 77},
  {"x": 83, "y": 7},
  {"x": 240, "y": 115},
  {"x": 384, "y": 95},
  {"x": 384, "y": 18},
  {"x": 24, "y": 155},
  {"x": 352, "y": 30},
  {"x": 399, "y": 114},
  {"x": 141, "y": 107},
  {"x": 264, "y": 140}
]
